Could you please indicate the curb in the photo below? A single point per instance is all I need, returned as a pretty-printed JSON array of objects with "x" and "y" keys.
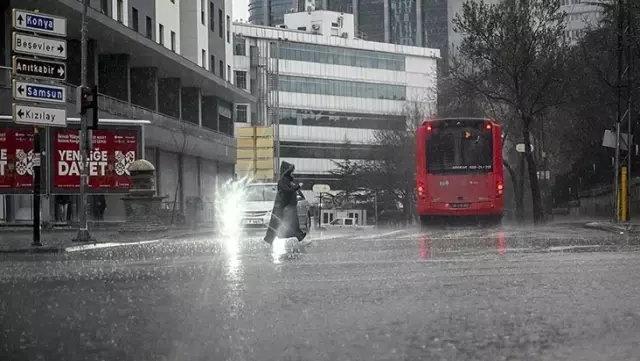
[
  {"x": 33, "y": 249},
  {"x": 97, "y": 245},
  {"x": 606, "y": 227}
]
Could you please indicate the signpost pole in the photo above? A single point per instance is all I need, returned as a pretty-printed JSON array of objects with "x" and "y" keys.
[
  {"x": 375, "y": 199},
  {"x": 36, "y": 187},
  {"x": 83, "y": 231},
  {"x": 320, "y": 211},
  {"x": 27, "y": 26}
]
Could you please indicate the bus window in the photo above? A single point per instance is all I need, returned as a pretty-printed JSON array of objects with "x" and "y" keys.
[{"x": 455, "y": 149}]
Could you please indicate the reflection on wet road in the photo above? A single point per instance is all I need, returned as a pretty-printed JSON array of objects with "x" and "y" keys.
[{"x": 555, "y": 293}]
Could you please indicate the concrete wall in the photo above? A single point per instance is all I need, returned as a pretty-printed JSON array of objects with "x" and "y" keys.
[
  {"x": 145, "y": 8},
  {"x": 598, "y": 202},
  {"x": 193, "y": 31},
  {"x": 168, "y": 15},
  {"x": 217, "y": 43}
]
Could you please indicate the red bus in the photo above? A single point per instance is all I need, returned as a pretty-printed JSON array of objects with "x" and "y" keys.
[{"x": 459, "y": 169}]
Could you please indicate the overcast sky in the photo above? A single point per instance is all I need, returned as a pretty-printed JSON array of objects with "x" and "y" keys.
[{"x": 240, "y": 10}]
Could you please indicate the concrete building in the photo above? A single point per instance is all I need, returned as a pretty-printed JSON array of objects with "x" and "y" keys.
[
  {"x": 420, "y": 23},
  {"x": 581, "y": 16},
  {"x": 326, "y": 92},
  {"x": 165, "y": 61}
]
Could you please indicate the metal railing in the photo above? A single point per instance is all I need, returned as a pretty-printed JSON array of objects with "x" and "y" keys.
[{"x": 124, "y": 109}]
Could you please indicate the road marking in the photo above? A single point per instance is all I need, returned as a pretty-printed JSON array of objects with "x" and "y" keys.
[
  {"x": 88, "y": 247},
  {"x": 370, "y": 236},
  {"x": 566, "y": 248}
]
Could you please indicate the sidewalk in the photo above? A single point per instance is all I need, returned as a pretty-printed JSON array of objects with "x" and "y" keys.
[
  {"x": 632, "y": 227},
  {"x": 599, "y": 223},
  {"x": 61, "y": 240}
]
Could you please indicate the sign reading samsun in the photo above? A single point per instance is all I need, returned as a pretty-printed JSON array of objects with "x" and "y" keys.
[
  {"x": 108, "y": 161},
  {"x": 16, "y": 158}
]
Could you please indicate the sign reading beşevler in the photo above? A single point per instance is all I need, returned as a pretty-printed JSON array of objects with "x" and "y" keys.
[
  {"x": 108, "y": 161},
  {"x": 16, "y": 158}
]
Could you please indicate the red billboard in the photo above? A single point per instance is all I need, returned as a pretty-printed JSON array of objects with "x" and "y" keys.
[
  {"x": 16, "y": 158},
  {"x": 108, "y": 160}
]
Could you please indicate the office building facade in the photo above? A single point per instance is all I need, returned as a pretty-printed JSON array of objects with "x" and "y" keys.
[
  {"x": 163, "y": 61},
  {"x": 326, "y": 92}
]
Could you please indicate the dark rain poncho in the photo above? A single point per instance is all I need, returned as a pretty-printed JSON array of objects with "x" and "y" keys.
[{"x": 284, "y": 221}]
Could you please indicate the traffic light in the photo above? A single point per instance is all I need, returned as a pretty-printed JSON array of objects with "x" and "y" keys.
[{"x": 88, "y": 99}]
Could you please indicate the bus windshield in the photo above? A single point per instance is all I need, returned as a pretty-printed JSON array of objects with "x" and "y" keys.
[{"x": 460, "y": 150}]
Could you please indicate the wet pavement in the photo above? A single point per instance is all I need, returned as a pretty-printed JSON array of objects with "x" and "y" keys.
[{"x": 556, "y": 293}]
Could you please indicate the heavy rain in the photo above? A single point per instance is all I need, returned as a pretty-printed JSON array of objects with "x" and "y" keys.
[{"x": 320, "y": 180}]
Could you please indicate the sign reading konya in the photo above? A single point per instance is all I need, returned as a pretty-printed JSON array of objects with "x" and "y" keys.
[
  {"x": 108, "y": 161},
  {"x": 16, "y": 158}
]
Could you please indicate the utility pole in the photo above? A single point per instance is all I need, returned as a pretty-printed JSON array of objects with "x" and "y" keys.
[
  {"x": 616, "y": 167},
  {"x": 630, "y": 70},
  {"x": 83, "y": 231},
  {"x": 622, "y": 195}
]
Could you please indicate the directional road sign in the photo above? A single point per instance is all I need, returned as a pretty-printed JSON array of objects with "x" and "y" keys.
[
  {"x": 43, "y": 69},
  {"x": 27, "y": 114},
  {"x": 35, "y": 92},
  {"x": 39, "y": 23},
  {"x": 321, "y": 188},
  {"x": 39, "y": 46}
]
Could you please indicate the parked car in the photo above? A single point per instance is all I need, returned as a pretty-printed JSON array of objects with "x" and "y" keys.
[{"x": 258, "y": 205}]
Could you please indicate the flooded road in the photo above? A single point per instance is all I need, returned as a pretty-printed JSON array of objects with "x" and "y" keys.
[{"x": 554, "y": 293}]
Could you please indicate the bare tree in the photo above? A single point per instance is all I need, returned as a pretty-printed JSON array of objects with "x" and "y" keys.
[
  {"x": 514, "y": 54},
  {"x": 180, "y": 140},
  {"x": 390, "y": 174}
]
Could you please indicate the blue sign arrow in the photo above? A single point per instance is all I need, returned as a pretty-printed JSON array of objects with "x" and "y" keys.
[
  {"x": 39, "y": 22},
  {"x": 39, "y": 92}
]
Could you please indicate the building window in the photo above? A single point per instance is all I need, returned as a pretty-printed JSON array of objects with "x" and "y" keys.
[
  {"x": 333, "y": 119},
  {"x": 228, "y": 29},
  {"x": 161, "y": 34},
  {"x": 173, "y": 41},
  {"x": 341, "y": 88},
  {"x": 134, "y": 19},
  {"x": 149, "y": 26},
  {"x": 104, "y": 7},
  {"x": 212, "y": 64},
  {"x": 120, "y": 11},
  {"x": 220, "y": 23},
  {"x": 212, "y": 23},
  {"x": 229, "y": 74},
  {"x": 221, "y": 69},
  {"x": 204, "y": 59},
  {"x": 340, "y": 56},
  {"x": 241, "y": 113},
  {"x": 202, "y": 20},
  {"x": 326, "y": 151},
  {"x": 239, "y": 46},
  {"x": 241, "y": 79}
]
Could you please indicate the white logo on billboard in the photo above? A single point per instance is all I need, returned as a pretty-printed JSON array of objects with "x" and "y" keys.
[
  {"x": 24, "y": 165},
  {"x": 123, "y": 161}
]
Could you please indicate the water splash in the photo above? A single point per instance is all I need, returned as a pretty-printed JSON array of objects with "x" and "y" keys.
[{"x": 229, "y": 206}]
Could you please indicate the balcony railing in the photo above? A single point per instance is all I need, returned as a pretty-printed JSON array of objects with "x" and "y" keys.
[{"x": 120, "y": 108}]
